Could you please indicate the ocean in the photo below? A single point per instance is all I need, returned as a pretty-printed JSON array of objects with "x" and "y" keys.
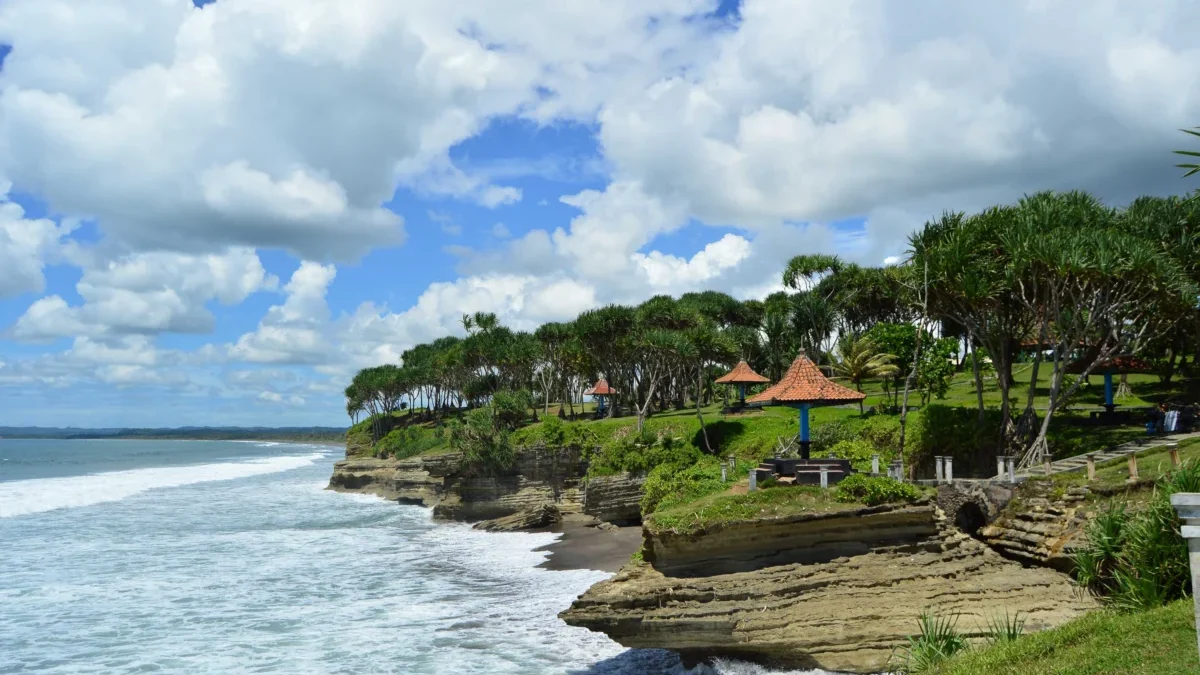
[{"x": 230, "y": 557}]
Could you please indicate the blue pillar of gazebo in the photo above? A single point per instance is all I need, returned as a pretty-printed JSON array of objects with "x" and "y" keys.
[
  {"x": 742, "y": 392},
  {"x": 1108, "y": 392},
  {"x": 804, "y": 440}
]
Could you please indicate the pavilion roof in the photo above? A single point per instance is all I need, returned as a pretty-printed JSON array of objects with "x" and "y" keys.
[
  {"x": 804, "y": 383},
  {"x": 742, "y": 374},
  {"x": 1117, "y": 364},
  {"x": 601, "y": 388}
]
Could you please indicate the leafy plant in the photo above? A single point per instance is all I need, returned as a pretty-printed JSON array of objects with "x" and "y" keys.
[
  {"x": 937, "y": 641},
  {"x": 485, "y": 444},
  {"x": 859, "y": 453},
  {"x": 874, "y": 490},
  {"x": 1138, "y": 561},
  {"x": 1005, "y": 628}
]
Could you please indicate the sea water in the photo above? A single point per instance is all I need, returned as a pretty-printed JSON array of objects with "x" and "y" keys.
[{"x": 230, "y": 557}]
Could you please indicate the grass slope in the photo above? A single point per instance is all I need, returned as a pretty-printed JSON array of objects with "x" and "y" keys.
[{"x": 1158, "y": 642}]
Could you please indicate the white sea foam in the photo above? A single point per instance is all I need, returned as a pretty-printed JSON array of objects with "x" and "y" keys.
[{"x": 47, "y": 494}]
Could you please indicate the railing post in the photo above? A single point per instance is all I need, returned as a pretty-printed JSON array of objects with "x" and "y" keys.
[
  {"x": 948, "y": 470},
  {"x": 1047, "y": 466},
  {"x": 937, "y": 464},
  {"x": 999, "y": 467},
  {"x": 824, "y": 476},
  {"x": 753, "y": 480},
  {"x": 874, "y": 465},
  {"x": 724, "y": 477},
  {"x": 1174, "y": 450},
  {"x": 1133, "y": 474},
  {"x": 1012, "y": 468},
  {"x": 1091, "y": 466},
  {"x": 1187, "y": 505}
]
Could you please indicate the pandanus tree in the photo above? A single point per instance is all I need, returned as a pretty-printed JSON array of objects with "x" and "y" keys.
[
  {"x": 859, "y": 360},
  {"x": 1192, "y": 167}
]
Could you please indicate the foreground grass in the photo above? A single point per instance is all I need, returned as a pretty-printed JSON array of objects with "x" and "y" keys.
[
  {"x": 1156, "y": 642},
  {"x": 728, "y": 507}
]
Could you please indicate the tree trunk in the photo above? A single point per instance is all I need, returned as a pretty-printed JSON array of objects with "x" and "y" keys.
[{"x": 699, "y": 416}]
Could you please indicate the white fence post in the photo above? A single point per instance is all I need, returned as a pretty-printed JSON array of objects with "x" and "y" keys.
[{"x": 1187, "y": 505}]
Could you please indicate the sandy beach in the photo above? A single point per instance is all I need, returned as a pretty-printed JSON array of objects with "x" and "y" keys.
[{"x": 585, "y": 546}]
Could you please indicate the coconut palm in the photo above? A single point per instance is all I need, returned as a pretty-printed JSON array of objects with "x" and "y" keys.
[
  {"x": 858, "y": 360},
  {"x": 1192, "y": 168}
]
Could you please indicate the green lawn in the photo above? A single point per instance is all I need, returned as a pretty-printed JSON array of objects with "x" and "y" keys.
[
  {"x": 1158, "y": 642},
  {"x": 728, "y": 507}
]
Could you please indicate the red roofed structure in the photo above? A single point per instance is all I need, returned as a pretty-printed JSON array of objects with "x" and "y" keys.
[
  {"x": 805, "y": 383},
  {"x": 804, "y": 386},
  {"x": 1123, "y": 364},
  {"x": 742, "y": 375},
  {"x": 601, "y": 391}
]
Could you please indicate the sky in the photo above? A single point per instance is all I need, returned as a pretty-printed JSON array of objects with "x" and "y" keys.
[{"x": 214, "y": 213}]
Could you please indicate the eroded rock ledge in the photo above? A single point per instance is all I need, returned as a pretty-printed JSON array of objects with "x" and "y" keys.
[
  {"x": 541, "y": 477},
  {"x": 847, "y": 614}
]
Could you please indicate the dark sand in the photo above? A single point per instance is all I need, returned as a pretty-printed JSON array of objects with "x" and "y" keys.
[{"x": 586, "y": 547}]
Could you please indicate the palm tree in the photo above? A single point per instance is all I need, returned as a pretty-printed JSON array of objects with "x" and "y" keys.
[
  {"x": 859, "y": 360},
  {"x": 1192, "y": 168}
]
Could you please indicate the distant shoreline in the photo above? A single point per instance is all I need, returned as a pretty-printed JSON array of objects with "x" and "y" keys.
[{"x": 321, "y": 436}]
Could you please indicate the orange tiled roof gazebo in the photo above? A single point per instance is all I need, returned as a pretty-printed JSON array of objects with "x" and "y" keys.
[
  {"x": 805, "y": 387},
  {"x": 742, "y": 375},
  {"x": 601, "y": 390}
]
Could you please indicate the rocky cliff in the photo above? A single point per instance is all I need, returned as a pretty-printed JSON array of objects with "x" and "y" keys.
[
  {"x": 540, "y": 476},
  {"x": 763, "y": 600},
  {"x": 614, "y": 499}
]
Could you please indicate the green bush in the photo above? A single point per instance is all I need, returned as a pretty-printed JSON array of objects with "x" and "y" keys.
[
  {"x": 873, "y": 490},
  {"x": 640, "y": 454},
  {"x": 557, "y": 433},
  {"x": 883, "y": 432},
  {"x": 485, "y": 444},
  {"x": 407, "y": 442},
  {"x": 511, "y": 407},
  {"x": 859, "y": 453},
  {"x": 669, "y": 485},
  {"x": 824, "y": 436},
  {"x": 1139, "y": 560}
]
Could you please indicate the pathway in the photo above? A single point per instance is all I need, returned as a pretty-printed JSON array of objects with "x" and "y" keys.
[{"x": 1079, "y": 462}]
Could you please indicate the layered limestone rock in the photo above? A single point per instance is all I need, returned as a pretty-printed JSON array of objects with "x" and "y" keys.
[
  {"x": 416, "y": 480},
  {"x": 844, "y": 614},
  {"x": 539, "y": 476},
  {"x": 803, "y": 538},
  {"x": 534, "y": 518},
  {"x": 1041, "y": 527},
  {"x": 614, "y": 499}
]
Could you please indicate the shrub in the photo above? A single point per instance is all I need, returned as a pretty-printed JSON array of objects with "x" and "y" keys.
[
  {"x": 873, "y": 490},
  {"x": 640, "y": 453},
  {"x": 484, "y": 443},
  {"x": 824, "y": 436},
  {"x": 669, "y": 485},
  {"x": 511, "y": 407},
  {"x": 859, "y": 453},
  {"x": 883, "y": 432},
  {"x": 1138, "y": 561},
  {"x": 406, "y": 442},
  {"x": 555, "y": 432}
]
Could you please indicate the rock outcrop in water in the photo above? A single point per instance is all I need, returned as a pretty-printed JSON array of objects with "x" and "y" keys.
[
  {"x": 541, "y": 477},
  {"x": 837, "y": 591}
]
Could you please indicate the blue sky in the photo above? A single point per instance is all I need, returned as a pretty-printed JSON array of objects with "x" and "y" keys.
[{"x": 215, "y": 215}]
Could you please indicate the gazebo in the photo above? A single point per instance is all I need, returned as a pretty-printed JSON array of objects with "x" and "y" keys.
[
  {"x": 601, "y": 391},
  {"x": 1121, "y": 365},
  {"x": 805, "y": 387},
  {"x": 742, "y": 375}
]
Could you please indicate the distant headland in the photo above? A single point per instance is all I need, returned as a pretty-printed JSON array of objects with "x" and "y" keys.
[{"x": 312, "y": 434}]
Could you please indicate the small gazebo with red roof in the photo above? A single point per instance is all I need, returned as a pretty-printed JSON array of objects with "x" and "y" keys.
[
  {"x": 805, "y": 387},
  {"x": 742, "y": 375},
  {"x": 1122, "y": 365},
  {"x": 601, "y": 391}
]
